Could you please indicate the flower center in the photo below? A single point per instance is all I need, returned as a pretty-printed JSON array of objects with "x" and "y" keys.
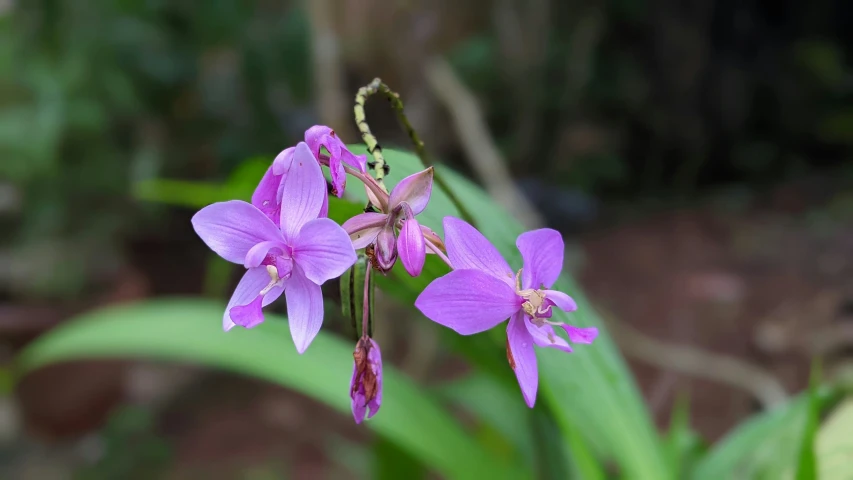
[
  {"x": 279, "y": 269},
  {"x": 534, "y": 302}
]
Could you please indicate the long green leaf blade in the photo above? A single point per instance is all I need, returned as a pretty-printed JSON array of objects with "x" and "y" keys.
[{"x": 189, "y": 330}]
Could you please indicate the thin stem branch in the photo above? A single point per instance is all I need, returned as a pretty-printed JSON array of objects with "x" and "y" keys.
[
  {"x": 365, "y": 318},
  {"x": 380, "y": 165},
  {"x": 373, "y": 185}
]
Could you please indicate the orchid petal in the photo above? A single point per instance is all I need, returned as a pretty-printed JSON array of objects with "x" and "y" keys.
[
  {"x": 468, "y": 301},
  {"x": 324, "y": 210},
  {"x": 265, "y": 198},
  {"x": 469, "y": 249},
  {"x": 364, "y": 237},
  {"x": 249, "y": 287},
  {"x": 414, "y": 190},
  {"x": 580, "y": 335},
  {"x": 282, "y": 161},
  {"x": 363, "y": 228},
  {"x": 259, "y": 252},
  {"x": 386, "y": 248},
  {"x": 304, "y": 189},
  {"x": 374, "y": 200},
  {"x": 561, "y": 300},
  {"x": 323, "y": 250},
  {"x": 315, "y": 137},
  {"x": 248, "y": 316},
  {"x": 358, "y": 404},
  {"x": 522, "y": 358},
  {"x": 432, "y": 237},
  {"x": 232, "y": 228},
  {"x": 339, "y": 176},
  {"x": 364, "y": 220},
  {"x": 358, "y": 162},
  {"x": 411, "y": 247},
  {"x": 304, "y": 309},
  {"x": 542, "y": 251},
  {"x": 544, "y": 336}
]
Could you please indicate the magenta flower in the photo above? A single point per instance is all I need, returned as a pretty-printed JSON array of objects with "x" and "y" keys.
[
  {"x": 322, "y": 136},
  {"x": 294, "y": 257},
  {"x": 482, "y": 291},
  {"x": 396, "y": 231},
  {"x": 366, "y": 384},
  {"x": 267, "y": 195}
]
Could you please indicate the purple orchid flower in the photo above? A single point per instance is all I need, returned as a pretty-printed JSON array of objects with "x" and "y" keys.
[
  {"x": 293, "y": 257},
  {"x": 482, "y": 291},
  {"x": 267, "y": 195},
  {"x": 408, "y": 199},
  {"x": 322, "y": 136},
  {"x": 366, "y": 384}
]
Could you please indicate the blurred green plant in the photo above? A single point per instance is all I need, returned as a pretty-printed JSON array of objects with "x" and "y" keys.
[{"x": 602, "y": 426}]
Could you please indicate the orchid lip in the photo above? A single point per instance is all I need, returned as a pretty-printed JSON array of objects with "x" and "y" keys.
[{"x": 534, "y": 301}]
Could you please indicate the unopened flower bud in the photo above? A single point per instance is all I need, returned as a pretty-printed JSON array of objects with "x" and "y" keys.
[{"x": 366, "y": 385}]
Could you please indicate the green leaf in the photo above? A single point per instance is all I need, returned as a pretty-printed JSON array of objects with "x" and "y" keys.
[
  {"x": 765, "y": 445},
  {"x": 591, "y": 390},
  {"x": 807, "y": 465},
  {"x": 189, "y": 330},
  {"x": 392, "y": 463},
  {"x": 683, "y": 445},
  {"x": 834, "y": 444}
]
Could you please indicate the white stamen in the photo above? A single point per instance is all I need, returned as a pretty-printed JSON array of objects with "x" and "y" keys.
[{"x": 274, "y": 279}]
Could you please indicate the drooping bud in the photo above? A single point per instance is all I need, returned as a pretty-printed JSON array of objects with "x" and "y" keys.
[
  {"x": 386, "y": 249},
  {"x": 366, "y": 384}
]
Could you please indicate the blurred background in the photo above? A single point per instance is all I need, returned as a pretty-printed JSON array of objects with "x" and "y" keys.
[{"x": 696, "y": 156}]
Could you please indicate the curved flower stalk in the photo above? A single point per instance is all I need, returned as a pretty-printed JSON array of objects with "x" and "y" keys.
[
  {"x": 321, "y": 136},
  {"x": 483, "y": 291},
  {"x": 394, "y": 230},
  {"x": 293, "y": 257}
]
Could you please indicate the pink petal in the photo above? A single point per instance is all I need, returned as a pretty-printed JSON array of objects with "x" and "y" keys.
[
  {"x": 339, "y": 176},
  {"x": 542, "y": 251},
  {"x": 265, "y": 198},
  {"x": 358, "y": 162},
  {"x": 282, "y": 161},
  {"x": 323, "y": 250},
  {"x": 544, "y": 336},
  {"x": 304, "y": 309},
  {"x": 386, "y": 248},
  {"x": 363, "y": 221},
  {"x": 468, "y": 301},
  {"x": 304, "y": 189},
  {"x": 522, "y": 357},
  {"x": 414, "y": 190},
  {"x": 232, "y": 228},
  {"x": 561, "y": 300},
  {"x": 469, "y": 249},
  {"x": 324, "y": 210},
  {"x": 253, "y": 281},
  {"x": 258, "y": 253},
  {"x": 580, "y": 335},
  {"x": 374, "y": 200},
  {"x": 411, "y": 247},
  {"x": 248, "y": 316},
  {"x": 358, "y": 405},
  {"x": 318, "y": 136},
  {"x": 364, "y": 228}
]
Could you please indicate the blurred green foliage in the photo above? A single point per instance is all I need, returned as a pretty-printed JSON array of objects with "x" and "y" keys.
[
  {"x": 95, "y": 96},
  {"x": 590, "y": 424}
]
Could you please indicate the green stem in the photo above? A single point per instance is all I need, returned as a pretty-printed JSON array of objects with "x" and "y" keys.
[{"x": 373, "y": 147}]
